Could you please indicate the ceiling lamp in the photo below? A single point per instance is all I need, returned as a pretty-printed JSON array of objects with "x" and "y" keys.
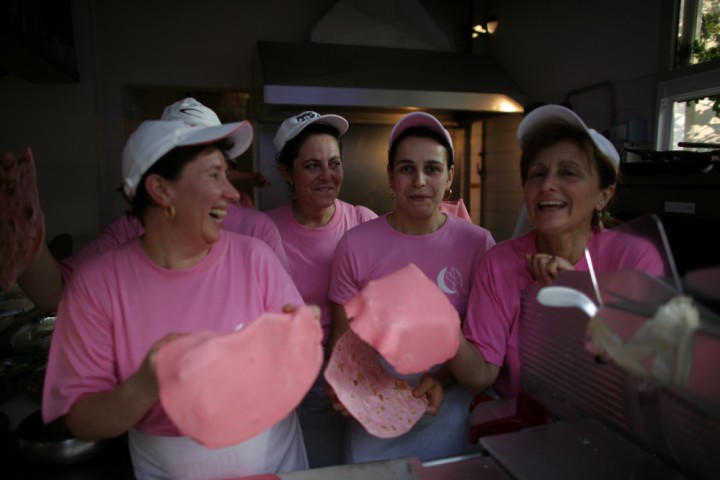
[{"x": 488, "y": 27}]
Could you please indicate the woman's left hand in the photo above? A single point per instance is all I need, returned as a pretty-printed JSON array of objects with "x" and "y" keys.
[
  {"x": 430, "y": 388},
  {"x": 545, "y": 267}
]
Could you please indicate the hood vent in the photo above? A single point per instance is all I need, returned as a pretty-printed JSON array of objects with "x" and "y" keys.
[{"x": 346, "y": 78}]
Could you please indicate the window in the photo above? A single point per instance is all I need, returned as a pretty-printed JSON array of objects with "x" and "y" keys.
[
  {"x": 689, "y": 97},
  {"x": 698, "y": 32}
]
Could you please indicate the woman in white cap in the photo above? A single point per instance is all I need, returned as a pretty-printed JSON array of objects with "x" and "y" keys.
[
  {"x": 445, "y": 247},
  {"x": 568, "y": 172},
  {"x": 310, "y": 159},
  {"x": 184, "y": 274},
  {"x": 42, "y": 281}
]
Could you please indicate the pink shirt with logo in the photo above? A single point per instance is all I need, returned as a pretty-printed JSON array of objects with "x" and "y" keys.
[
  {"x": 493, "y": 315},
  {"x": 239, "y": 219},
  {"x": 118, "y": 304},
  {"x": 310, "y": 250},
  {"x": 447, "y": 256}
]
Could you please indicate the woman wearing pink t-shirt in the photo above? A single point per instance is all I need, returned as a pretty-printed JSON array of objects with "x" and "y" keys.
[
  {"x": 184, "y": 274},
  {"x": 42, "y": 280},
  {"x": 310, "y": 159},
  {"x": 420, "y": 171},
  {"x": 568, "y": 172}
]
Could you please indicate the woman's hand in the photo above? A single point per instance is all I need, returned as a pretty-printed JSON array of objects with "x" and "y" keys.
[
  {"x": 431, "y": 389},
  {"x": 146, "y": 376},
  {"x": 545, "y": 267},
  {"x": 107, "y": 414}
]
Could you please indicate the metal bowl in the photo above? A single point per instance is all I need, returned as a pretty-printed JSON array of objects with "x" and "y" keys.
[
  {"x": 53, "y": 443},
  {"x": 34, "y": 338}
]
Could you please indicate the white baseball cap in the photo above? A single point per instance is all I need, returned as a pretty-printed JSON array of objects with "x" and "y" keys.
[
  {"x": 155, "y": 138},
  {"x": 290, "y": 127},
  {"x": 420, "y": 119},
  {"x": 191, "y": 112},
  {"x": 548, "y": 114}
]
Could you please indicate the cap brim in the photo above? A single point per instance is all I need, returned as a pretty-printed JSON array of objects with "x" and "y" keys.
[
  {"x": 416, "y": 119},
  {"x": 335, "y": 121},
  {"x": 547, "y": 114},
  {"x": 241, "y": 133}
]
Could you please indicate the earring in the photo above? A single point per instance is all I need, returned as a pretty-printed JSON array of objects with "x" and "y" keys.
[
  {"x": 391, "y": 193},
  {"x": 448, "y": 194},
  {"x": 599, "y": 219},
  {"x": 170, "y": 212}
]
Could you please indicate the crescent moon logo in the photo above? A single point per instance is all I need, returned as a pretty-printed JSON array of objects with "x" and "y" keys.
[{"x": 441, "y": 282}]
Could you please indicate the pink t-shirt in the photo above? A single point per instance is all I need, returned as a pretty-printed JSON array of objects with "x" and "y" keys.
[
  {"x": 239, "y": 219},
  {"x": 493, "y": 314},
  {"x": 310, "y": 250},
  {"x": 374, "y": 249},
  {"x": 117, "y": 305},
  {"x": 448, "y": 258}
]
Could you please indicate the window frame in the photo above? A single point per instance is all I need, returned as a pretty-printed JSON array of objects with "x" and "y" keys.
[{"x": 681, "y": 83}]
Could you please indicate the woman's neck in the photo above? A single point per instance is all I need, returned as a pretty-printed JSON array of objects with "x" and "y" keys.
[
  {"x": 569, "y": 246},
  {"x": 312, "y": 218},
  {"x": 415, "y": 226},
  {"x": 168, "y": 248}
]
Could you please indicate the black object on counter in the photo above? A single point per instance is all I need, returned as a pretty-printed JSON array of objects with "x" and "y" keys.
[
  {"x": 667, "y": 162},
  {"x": 111, "y": 463}
]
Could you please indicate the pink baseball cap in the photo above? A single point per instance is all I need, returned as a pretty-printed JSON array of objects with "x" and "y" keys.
[{"x": 420, "y": 119}]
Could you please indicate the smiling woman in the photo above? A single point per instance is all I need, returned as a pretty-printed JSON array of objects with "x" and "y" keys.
[
  {"x": 310, "y": 159},
  {"x": 183, "y": 274},
  {"x": 568, "y": 173},
  {"x": 445, "y": 248}
]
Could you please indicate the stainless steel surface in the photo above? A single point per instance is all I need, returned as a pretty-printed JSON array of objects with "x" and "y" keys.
[
  {"x": 464, "y": 468},
  {"x": 582, "y": 449},
  {"x": 322, "y": 75},
  {"x": 400, "y": 469},
  {"x": 467, "y": 467},
  {"x": 591, "y": 270},
  {"x": 556, "y": 296}
]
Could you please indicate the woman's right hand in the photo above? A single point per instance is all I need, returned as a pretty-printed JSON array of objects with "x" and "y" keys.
[
  {"x": 146, "y": 375},
  {"x": 545, "y": 267}
]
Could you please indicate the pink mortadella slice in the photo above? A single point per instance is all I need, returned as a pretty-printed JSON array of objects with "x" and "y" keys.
[
  {"x": 407, "y": 319},
  {"x": 221, "y": 389},
  {"x": 22, "y": 222},
  {"x": 383, "y": 404}
]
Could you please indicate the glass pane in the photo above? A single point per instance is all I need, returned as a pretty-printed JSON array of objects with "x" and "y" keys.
[
  {"x": 698, "y": 32},
  {"x": 697, "y": 121}
]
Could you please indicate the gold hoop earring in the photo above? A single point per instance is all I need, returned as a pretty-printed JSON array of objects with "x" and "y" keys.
[
  {"x": 391, "y": 193},
  {"x": 448, "y": 194},
  {"x": 170, "y": 212}
]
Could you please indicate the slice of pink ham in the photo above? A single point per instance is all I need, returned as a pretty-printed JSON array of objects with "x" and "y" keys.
[
  {"x": 22, "y": 223},
  {"x": 221, "y": 389},
  {"x": 383, "y": 404},
  {"x": 407, "y": 319}
]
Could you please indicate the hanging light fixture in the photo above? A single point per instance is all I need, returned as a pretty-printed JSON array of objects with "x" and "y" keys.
[{"x": 487, "y": 27}]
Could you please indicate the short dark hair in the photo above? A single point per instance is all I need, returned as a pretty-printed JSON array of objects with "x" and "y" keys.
[
  {"x": 291, "y": 149},
  {"x": 420, "y": 132}
]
